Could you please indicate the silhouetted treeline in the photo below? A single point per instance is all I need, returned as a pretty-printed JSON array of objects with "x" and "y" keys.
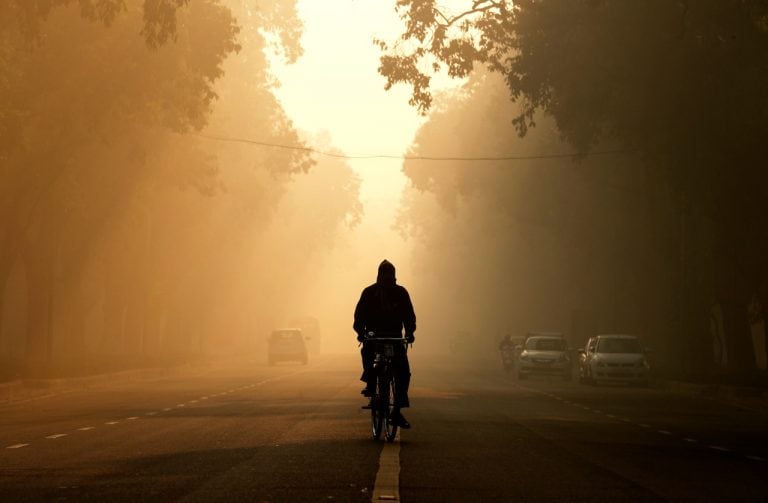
[
  {"x": 668, "y": 239},
  {"x": 124, "y": 236}
]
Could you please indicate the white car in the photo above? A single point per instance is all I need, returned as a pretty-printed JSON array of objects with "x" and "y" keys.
[
  {"x": 618, "y": 358},
  {"x": 544, "y": 354}
]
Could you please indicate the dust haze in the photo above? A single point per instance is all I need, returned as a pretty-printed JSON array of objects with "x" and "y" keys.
[{"x": 159, "y": 205}]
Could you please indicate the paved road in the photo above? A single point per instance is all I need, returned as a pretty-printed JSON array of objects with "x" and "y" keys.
[{"x": 296, "y": 433}]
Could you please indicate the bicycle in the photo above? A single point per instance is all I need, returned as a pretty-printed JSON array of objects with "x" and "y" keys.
[{"x": 383, "y": 408}]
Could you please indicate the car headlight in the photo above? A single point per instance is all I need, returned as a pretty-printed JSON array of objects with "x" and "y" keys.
[{"x": 524, "y": 356}]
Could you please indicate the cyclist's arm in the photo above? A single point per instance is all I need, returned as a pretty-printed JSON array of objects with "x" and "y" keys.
[
  {"x": 360, "y": 316},
  {"x": 409, "y": 317}
]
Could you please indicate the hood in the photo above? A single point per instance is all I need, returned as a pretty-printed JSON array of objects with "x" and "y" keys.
[
  {"x": 619, "y": 357},
  {"x": 386, "y": 274},
  {"x": 537, "y": 353}
]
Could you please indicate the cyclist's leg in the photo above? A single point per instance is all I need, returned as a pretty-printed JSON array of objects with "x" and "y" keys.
[
  {"x": 402, "y": 374},
  {"x": 368, "y": 377}
]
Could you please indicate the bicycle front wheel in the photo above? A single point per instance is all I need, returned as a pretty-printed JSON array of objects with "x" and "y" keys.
[
  {"x": 378, "y": 409},
  {"x": 391, "y": 412}
]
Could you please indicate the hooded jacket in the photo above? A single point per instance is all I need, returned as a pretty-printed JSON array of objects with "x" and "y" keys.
[{"x": 385, "y": 306}]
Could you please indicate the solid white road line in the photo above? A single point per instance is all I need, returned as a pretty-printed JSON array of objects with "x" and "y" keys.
[{"x": 386, "y": 487}]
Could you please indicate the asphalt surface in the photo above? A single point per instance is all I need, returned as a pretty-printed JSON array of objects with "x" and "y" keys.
[{"x": 250, "y": 432}]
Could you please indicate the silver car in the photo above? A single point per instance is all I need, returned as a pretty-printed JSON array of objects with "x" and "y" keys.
[
  {"x": 619, "y": 358},
  {"x": 544, "y": 354}
]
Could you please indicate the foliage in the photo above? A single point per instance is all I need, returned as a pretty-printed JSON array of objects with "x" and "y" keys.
[
  {"x": 127, "y": 234},
  {"x": 677, "y": 84}
]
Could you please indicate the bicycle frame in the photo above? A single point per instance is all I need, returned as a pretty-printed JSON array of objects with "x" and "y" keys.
[{"x": 383, "y": 406}]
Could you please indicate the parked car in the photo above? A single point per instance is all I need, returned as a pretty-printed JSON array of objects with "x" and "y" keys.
[
  {"x": 614, "y": 357},
  {"x": 287, "y": 344},
  {"x": 544, "y": 355}
]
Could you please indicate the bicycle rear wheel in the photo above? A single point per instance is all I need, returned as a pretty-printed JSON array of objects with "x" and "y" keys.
[{"x": 391, "y": 412}]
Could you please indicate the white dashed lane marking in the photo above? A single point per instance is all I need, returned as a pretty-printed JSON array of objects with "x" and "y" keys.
[
  {"x": 167, "y": 409},
  {"x": 641, "y": 425}
]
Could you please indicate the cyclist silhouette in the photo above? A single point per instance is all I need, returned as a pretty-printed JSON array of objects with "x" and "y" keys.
[{"x": 385, "y": 309}]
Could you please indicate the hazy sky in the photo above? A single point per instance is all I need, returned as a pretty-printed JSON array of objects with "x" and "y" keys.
[{"x": 335, "y": 87}]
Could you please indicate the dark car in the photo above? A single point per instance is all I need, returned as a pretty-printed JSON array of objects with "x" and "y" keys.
[{"x": 287, "y": 344}]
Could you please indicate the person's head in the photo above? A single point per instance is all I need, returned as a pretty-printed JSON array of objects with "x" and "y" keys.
[{"x": 386, "y": 274}]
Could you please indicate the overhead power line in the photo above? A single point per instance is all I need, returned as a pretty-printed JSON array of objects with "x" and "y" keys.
[{"x": 337, "y": 155}]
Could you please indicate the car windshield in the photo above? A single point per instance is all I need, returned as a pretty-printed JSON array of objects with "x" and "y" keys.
[
  {"x": 618, "y": 345},
  {"x": 545, "y": 344},
  {"x": 286, "y": 335}
]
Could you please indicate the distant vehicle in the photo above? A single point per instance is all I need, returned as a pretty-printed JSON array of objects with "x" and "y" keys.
[
  {"x": 614, "y": 357},
  {"x": 287, "y": 344},
  {"x": 544, "y": 354},
  {"x": 509, "y": 348},
  {"x": 508, "y": 359}
]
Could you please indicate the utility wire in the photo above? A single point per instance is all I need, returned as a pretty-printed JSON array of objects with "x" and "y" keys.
[{"x": 590, "y": 153}]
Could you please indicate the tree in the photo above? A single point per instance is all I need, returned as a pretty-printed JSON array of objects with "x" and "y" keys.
[
  {"x": 676, "y": 83},
  {"x": 120, "y": 218}
]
